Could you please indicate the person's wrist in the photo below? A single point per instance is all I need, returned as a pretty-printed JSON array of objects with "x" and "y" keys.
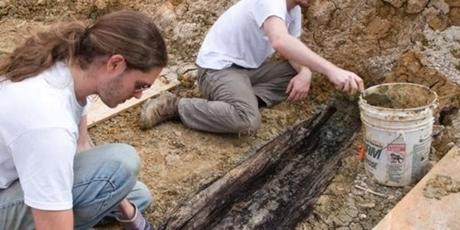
[
  {"x": 331, "y": 71},
  {"x": 304, "y": 72}
]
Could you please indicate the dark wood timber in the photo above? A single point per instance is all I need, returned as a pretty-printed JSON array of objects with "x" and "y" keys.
[{"x": 278, "y": 185}]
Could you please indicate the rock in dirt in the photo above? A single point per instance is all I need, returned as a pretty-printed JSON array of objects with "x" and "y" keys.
[{"x": 440, "y": 186}]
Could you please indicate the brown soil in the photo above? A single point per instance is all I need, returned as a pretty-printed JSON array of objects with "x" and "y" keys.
[
  {"x": 400, "y": 96},
  {"x": 378, "y": 39}
]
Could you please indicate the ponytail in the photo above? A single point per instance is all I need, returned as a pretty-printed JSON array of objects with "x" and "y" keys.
[
  {"x": 129, "y": 33},
  {"x": 42, "y": 50}
]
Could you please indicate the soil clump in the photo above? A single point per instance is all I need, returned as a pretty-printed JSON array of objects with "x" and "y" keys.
[{"x": 440, "y": 186}]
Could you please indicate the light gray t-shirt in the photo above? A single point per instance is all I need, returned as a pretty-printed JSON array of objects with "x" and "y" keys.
[
  {"x": 237, "y": 37},
  {"x": 39, "y": 120}
]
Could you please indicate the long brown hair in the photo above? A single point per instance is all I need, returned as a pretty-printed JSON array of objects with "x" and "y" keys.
[{"x": 129, "y": 33}]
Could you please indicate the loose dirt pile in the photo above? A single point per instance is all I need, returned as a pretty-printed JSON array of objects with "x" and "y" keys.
[
  {"x": 440, "y": 186},
  {"x": 381, "y": 40}
]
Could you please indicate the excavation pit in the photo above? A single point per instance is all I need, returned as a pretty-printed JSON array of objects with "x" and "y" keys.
[{"x": 278, "y": 185}]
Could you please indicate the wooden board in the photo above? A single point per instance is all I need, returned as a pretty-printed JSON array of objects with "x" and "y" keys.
[
  {"x": 98, "y": 111},
  {"x": 416, "y": 211},
  {"x": 278, "y": 185}
]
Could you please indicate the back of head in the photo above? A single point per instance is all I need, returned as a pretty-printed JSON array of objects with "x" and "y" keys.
[{"x": 129, "y": 33}]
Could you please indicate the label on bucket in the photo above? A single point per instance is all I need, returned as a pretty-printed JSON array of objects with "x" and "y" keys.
[
  {"x": 387, "y": 162},
  {"x": 374, "y": 151},
  {"x": 396, "y": 159}
]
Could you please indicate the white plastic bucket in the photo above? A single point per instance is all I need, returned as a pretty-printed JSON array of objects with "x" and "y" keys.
[{"x": 398, "y": 140}]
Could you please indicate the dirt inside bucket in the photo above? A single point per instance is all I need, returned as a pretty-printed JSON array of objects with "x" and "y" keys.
[{"x": 399, "y": 96}]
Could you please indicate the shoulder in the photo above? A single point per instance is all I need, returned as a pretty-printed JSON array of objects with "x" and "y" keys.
[
  {"x": 263, "y": 9},
  {"x": 34, "y": 103}
]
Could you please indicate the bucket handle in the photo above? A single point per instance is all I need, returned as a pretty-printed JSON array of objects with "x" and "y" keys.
[{"x": 400, "y": 134}]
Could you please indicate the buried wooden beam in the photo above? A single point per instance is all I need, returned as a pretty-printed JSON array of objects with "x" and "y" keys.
[{"x": 278, "y": 185}]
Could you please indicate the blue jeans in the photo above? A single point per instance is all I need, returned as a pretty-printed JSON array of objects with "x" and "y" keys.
[{"x": 103, "y": 176}]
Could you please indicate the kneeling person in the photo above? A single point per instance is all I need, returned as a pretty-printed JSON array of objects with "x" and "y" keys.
[
  {"x": 44, "y": 182},
  {"x": 236, "y": 79}
]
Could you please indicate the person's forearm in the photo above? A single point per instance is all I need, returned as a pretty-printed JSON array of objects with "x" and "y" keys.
[
  {"x": 50, "y": 220},
  {"x": 300, "y": 69},
  {"x": 293, "y": 49}
]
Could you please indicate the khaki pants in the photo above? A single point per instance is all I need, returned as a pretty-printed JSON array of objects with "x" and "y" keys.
[{"x": 231, "y": 97}]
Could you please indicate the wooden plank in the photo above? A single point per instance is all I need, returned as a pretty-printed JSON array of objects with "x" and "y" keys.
[
  {"x": 418, "y": 211},
  {"x": 98, "y": 111},
  {"x": 278, "y": 185}
]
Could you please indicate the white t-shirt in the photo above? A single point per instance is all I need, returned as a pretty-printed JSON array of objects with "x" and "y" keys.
[
  {"x": 39, "y": 120},
  {"x": 237, "y": 37}
]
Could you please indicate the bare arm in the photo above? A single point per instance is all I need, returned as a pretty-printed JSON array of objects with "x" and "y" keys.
[
  {"x": 53, "y": 219},
  {"x": 299, "y": 85},
  {"x": 297, "y": 52},
  {"x": 300, "y": 69},
  {"x": 84, "y": 140}
]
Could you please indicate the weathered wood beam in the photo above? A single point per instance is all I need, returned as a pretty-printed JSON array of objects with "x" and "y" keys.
[{"x": 277, "y": 186}]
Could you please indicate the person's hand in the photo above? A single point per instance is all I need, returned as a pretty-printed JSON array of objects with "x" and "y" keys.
[
  {"x": 346, "y": 81},
  {"x": 299, "y": 86}
]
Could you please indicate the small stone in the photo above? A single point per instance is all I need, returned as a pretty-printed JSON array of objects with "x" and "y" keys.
[
  {"x": 172, "y": 159},
  {"x": 100, "y": 4},
  {"x": 323, "y": 200},
  {"x": 352, "y": 211},
  {"x": 355, "y": 226},
  {"x": 345, "y": 219},
  {"x": 433, "y": 150},
  {"x": 438, "y": 129},
  {"x": 321, "y": 12},
  {"x": 177, "y": 133},
  {"x": 415, "y": 6},
  {"x": 367, "y": 205},
  {"x": 440, "y": 5},
  {"x": 362, "y": 216},
  {"x": 438, "y": 23}
]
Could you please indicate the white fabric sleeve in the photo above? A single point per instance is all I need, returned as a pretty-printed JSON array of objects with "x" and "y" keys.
[
  {"x": 44, "y": 162},
  {"x": 267, "y": 8},
  {"x": 295, "y": 28}
]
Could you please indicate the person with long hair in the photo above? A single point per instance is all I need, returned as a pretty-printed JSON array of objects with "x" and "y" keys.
[{"x": 49, "y": 176}]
